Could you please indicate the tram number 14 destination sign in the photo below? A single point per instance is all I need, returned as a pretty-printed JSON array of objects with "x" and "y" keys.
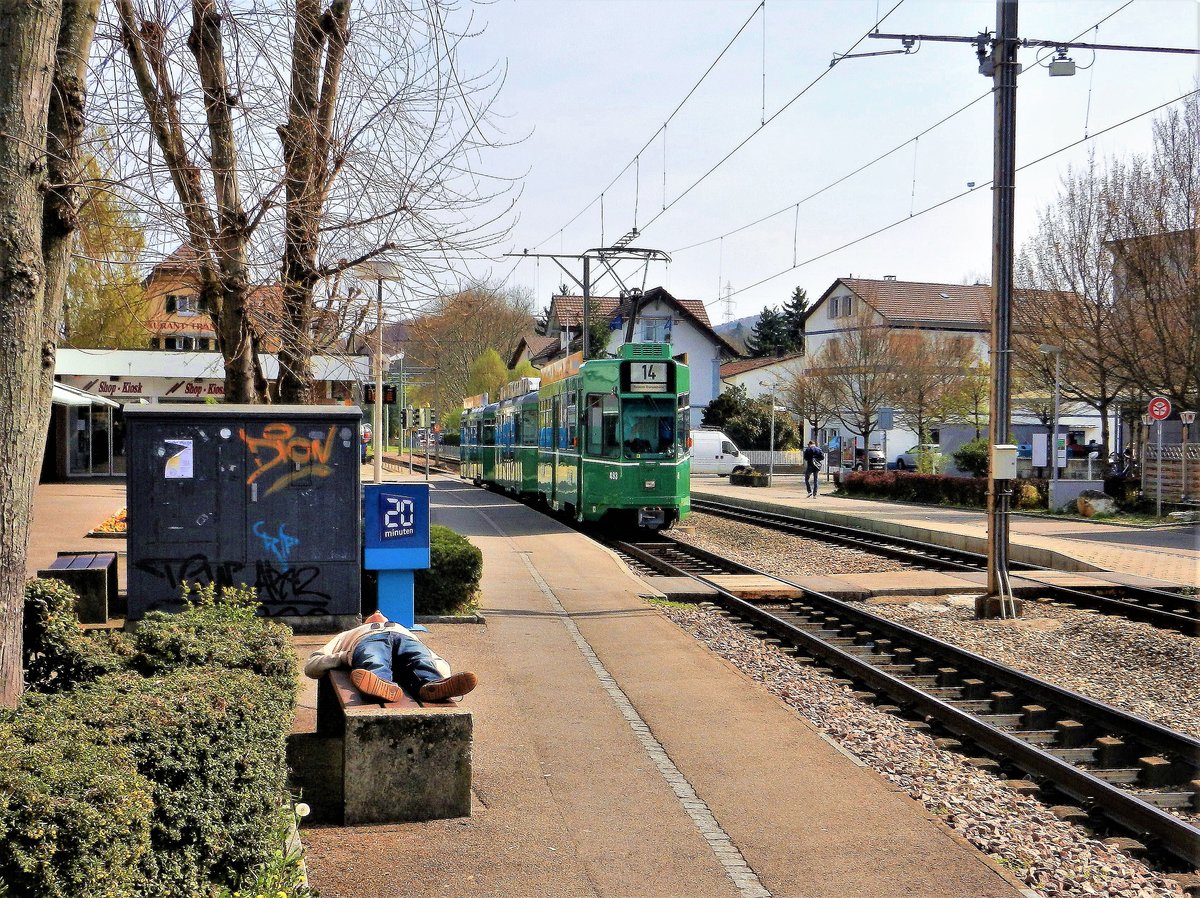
[{"x": 1159, "y": 408}]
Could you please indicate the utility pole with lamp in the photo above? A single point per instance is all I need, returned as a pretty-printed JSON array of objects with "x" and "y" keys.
[
  {"x": 379, "y": 271},
  {"x": 997, "y": 55}
]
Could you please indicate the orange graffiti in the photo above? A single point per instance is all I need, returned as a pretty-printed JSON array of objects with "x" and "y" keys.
[{"x": 281, "y": 439}]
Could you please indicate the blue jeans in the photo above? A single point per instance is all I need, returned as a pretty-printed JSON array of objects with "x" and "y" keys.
[
  {"x": 815, "y": 479},
  {"x": 397, "y": 658}
]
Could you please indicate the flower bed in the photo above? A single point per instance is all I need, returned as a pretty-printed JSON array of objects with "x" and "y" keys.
[{"x": 113, "y": 525}]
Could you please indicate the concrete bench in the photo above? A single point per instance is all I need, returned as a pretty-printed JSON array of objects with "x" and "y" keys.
[
  {"x": 391, "y": 762},
  {"x": 93, "y": 576}
]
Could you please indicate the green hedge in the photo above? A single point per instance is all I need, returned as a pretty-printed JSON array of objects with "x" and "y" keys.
[
  {"x": 929, "y": 489},
  {"x": 56, "y": 654},
  {"x": 74, "y": 815},
  {"x": 223, "y": 632},
  {"x": 937, "y": 489},
  {"x": 452, "y": 581},
  {"x": 164, "y": 777}
]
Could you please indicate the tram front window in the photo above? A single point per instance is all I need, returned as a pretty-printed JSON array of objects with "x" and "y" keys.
[{"x": 648, "y": 426}]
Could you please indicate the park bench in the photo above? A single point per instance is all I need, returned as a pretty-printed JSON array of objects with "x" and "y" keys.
[
  {"x": 93, "y": 576},
  {"x": 389, "y": 762}
]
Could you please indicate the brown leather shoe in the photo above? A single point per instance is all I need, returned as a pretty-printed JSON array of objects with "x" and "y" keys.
[
  {"x": 369, "y": 684},
  {"x": 455, "y": 684}
]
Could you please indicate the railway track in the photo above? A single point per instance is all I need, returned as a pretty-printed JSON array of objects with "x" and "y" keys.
[
  {"x": 1168, "y": 610},
  {"x": 1122, "y": 774}
]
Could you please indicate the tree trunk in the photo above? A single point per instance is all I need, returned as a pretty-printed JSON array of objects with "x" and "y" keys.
[
  {"x": 318, "y": 43},
  {"x": 43, "y": 48}
]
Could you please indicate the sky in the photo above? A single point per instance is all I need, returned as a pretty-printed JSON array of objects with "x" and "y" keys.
[{"x": 590, "y": 82}]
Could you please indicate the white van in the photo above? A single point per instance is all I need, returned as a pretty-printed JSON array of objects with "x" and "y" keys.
[{"x": 714, "y": 453}]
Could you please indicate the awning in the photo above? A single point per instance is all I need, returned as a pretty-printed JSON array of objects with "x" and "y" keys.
[{"x": 65, "y": 395}]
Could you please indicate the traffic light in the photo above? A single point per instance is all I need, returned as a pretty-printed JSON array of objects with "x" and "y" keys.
[{"x": 422, "y": 417}]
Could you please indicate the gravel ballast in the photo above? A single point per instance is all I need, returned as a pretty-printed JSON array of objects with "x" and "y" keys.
[{"x": 1051, "y": 857}]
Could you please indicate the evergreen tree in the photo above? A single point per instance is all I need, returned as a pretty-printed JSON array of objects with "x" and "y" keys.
[
  {"x": 793, "y": 314},
  {"x": 541, "y": 323},
  {"x": 770, "y": 334}
]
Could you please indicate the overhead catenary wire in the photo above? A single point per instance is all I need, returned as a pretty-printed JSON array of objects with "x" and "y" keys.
[
  {"x": 662, "y": 127},
  {"x": 877, "y": 159},
  {"x": 778, "y": 112},
  {"x": 960, "y": 195}
]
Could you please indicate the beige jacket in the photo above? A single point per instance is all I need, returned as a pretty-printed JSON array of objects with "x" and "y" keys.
[{"x": 339, "y": 650}]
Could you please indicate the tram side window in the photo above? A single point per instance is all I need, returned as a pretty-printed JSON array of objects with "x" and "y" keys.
[
  {"x": 683, "y": 427},
  {"x": 529, "y": 423},
  {"x": 489, "y": 434},
  {"x": 547, "y": 425},
  {"x": 603, "y": 415},
  {"x": 572, "y": 424}
]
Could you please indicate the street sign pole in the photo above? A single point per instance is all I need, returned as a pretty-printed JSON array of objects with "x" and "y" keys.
[{"x": 1158, "y": 475}]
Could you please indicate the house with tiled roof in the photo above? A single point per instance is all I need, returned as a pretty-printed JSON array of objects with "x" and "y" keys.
[
  {"x": 535, "y": 349},
  {"x": 660, "y": 318},
  {"x": 177, "y": 318},
  {"x": 752, "y": 373}
]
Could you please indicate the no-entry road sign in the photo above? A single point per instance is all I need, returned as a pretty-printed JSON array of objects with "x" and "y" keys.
[{"x": 1159, "y": 408}]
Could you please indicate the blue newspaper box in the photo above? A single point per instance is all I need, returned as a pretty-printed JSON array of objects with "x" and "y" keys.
[{"x": 396, "y": 543}]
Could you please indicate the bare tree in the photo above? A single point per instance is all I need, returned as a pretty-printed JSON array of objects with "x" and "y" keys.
[
  {"x": 43, "y": 52},
  {"x": 806, "y": 395},
  {"x": 335, "y": 132},
  {"x": 1153, "y": 229},
  {"x": 1065, "y": 299},
  {"x": 455, "y": 331},
  {"x": 931, "y": 369},
  {"x": 858, "y": 372}
]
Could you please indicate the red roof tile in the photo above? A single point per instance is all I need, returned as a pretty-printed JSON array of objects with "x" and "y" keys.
[
  {"x": 741, "y": 366},
  {"x": 921, "y": 302}
]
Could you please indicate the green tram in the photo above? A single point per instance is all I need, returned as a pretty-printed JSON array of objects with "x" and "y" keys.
[{"x": 594, "y": 439}]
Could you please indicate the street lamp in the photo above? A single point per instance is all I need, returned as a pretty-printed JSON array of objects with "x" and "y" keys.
[
  {"x": 378, "y": 270},
  {"x": 1056, "y": 351},
  {"x": 1187, "y": 418},
  {"x": 773, "y": 386}
]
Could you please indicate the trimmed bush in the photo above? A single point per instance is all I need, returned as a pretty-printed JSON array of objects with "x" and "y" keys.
[
  {"x": 927, "y": 489},
  {"x": 455, "y": 568},
  {"x": 56, "y": 654},
  {"x": 1123, "y": 489},
  {"x": 220, "y": 630},
  {"x": 972, "y": 457},
  {"x": 74, "y": 815},
  {"x": 210, "y": 743}
]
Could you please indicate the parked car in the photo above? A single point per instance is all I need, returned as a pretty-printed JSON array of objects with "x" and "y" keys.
[
  {"x": 863, "y": 458},
  {"x": 909, "y": 459}
]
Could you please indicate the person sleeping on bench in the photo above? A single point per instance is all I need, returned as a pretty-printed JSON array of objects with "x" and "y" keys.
[{"x": 385, "y": 658}]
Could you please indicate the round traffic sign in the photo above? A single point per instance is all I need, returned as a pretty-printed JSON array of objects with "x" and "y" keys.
[{"x": 1160, "y": 408}]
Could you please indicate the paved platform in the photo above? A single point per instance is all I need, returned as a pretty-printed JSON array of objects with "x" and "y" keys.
[
  {"x": 616, "y": 756},
  {"x": 1169, "y": 555}
]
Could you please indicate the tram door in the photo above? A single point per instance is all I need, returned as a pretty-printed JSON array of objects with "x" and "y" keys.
[{"x": 555, "y": 429}]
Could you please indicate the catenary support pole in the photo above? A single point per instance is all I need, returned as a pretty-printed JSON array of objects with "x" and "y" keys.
[
  {"x": 1004, "y": 76},
  {"x": 587, "y": 304}
]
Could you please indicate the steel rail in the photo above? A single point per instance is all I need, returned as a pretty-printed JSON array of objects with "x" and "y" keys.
[
  {"x": 1141, "y": 818},
  {"x": 949, "y": 558}
]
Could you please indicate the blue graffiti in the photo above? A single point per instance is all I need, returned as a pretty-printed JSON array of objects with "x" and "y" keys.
[{"x": 279, "y": 545}]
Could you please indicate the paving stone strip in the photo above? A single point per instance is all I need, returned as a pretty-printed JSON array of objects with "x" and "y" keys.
[{"x": 727, "y": 854}]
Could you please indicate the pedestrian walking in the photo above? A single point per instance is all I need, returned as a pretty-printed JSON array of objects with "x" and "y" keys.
[{"x": 813, "y": 458}]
